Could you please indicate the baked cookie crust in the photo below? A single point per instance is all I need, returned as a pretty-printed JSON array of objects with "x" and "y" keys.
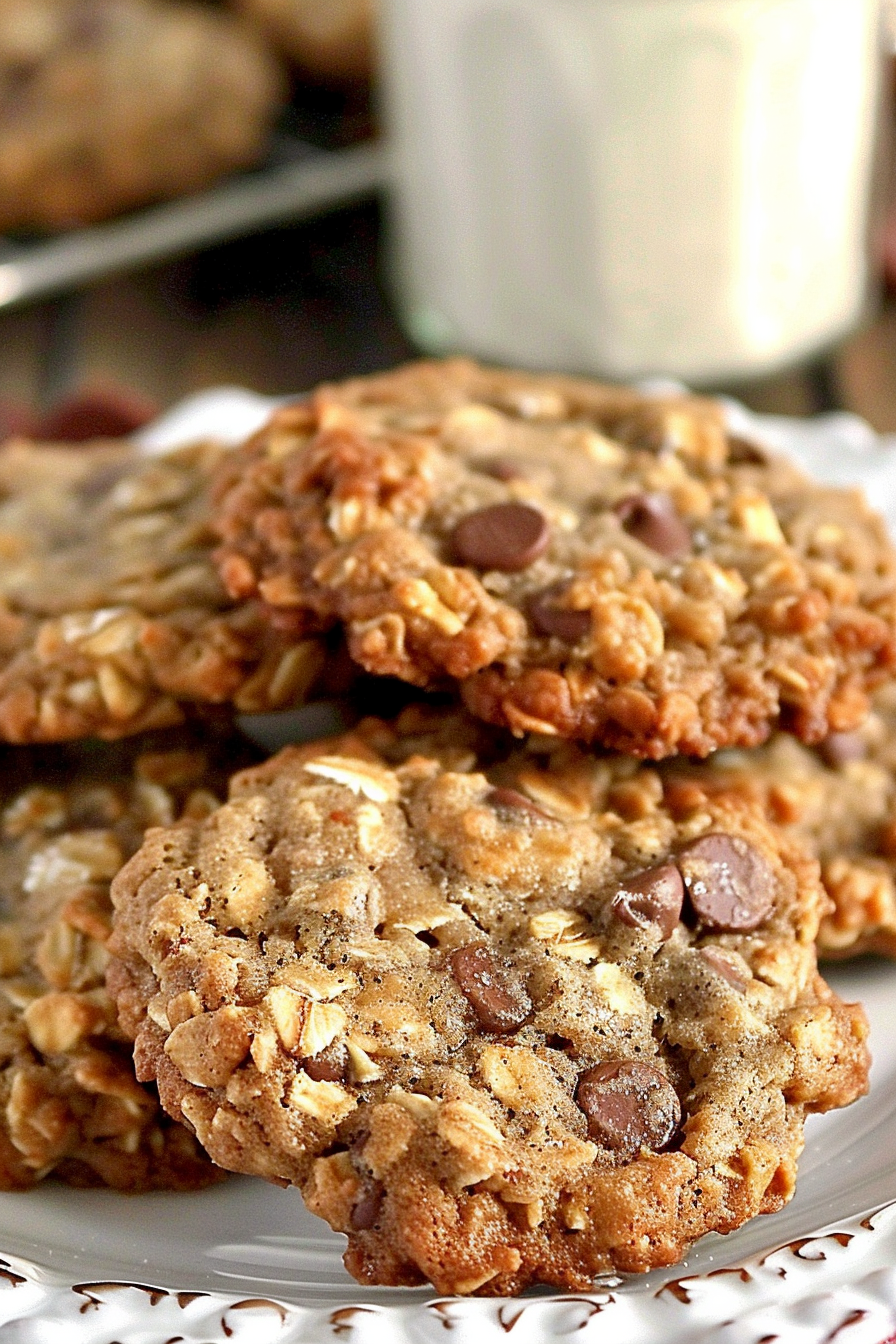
[
  {"x": 70, "y": 1105},
  {"x": 581, "y": 559},
  {"x": 528, "y": 1025},
  {"x": 112, "y": 615}
]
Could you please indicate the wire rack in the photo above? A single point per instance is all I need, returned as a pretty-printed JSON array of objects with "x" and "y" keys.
[{"x": 298, "y": 182}]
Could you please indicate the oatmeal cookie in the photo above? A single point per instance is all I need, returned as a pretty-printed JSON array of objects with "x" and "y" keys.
[
  {"x": 523, "y": 1025},
  {"x": 112, "y": 614},
  {"x": 70, "y": 1105},
  {"x": 840, "y": 800},
  {"x": 583, "y": 560},
  {"x": 330, "y": 40},
  {"x": 110, "y": 104}
]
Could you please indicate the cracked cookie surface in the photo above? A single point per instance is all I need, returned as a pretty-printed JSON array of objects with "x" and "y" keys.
[
  {"x": 581, "y": 559},
  {"x": 70, "y": 1105},
  {"x": 112, "y": 614},
  {"x": 527, "y": 1025}
]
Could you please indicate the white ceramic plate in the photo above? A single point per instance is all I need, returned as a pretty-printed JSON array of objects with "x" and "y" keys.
[{"x": 245, "y": 1262}]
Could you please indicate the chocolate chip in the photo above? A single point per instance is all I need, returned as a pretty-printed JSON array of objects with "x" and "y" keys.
[
  {"x": 505, "y": 468},
  {"x": 18, "y": 78},
  {"x": 652, "y": 898},
  {"x": 366, "y": 1208},
  {"x": 628, "y": 1106},
  {"x": 500, "y": 1005},
  {"x": 841, "y": 748},
  {"x": 650, "y": 433},
  {"x": 550, "y": 618},
  {"x": 652, "y": 520},
  {"x": 101, "y": 482},
  {"x": 507, "y": 537},
  {"x": 731, "y": 885},
  {"x": 323, "y": 1070},
  {"x": 511, "y": 800},
  {"x": 743, "y": 452},
  {"x": 88, "y": 23},
  {"x": 715, "y": 957}
]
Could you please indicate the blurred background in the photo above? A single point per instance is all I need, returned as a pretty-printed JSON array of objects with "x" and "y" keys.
[{"x": 274, "y": 192}]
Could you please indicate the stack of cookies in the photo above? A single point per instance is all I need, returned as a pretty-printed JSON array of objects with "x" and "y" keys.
[{"x": 519, "y": 984}]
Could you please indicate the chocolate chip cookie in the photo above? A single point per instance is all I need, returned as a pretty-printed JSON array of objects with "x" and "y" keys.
[
  {"x": 112, "y": 614},
  {"x": 70, "y": 1105},
  {"x": 110, "y": 104},
  {"x": 330, "y": 40},
  {"x": 524, "y": 1025},
  {"x": 581, "y": 559}
]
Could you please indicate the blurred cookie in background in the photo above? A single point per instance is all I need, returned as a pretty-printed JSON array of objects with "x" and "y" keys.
[
  {"x": 331, "y": 41},
  {"x": 98, "y": 410},
  {"x": 110, "y": 104},
  {"x": 101, "y": 410}
]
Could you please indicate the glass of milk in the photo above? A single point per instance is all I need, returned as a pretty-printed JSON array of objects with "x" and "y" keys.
[{"x": 631, "y": 187}]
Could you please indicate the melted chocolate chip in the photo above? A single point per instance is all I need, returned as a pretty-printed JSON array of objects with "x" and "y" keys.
[
  {"x": 714, "y": 957},
  {"x": 88, "y": 23},
  {"x": 552, "y": 619},
  {"x": 652, "y": 520},
  {"x": 366, "y": 1208},
  {"x": 730, "y": 884},
  {"x": 500, "y": 1005},
  {"x": 651, "y": 434},
  {"x": 628, "y": 1106},
  {"x": 743, "y": 452},
  {"x": 654, "y": 897},
  {"x": 18, "y": 77},
  {"x": 101, "y": 482},
  {"x": 505, "y": 468},
  {"x": 511, "y": 800},
  {"x": 508, "y": 537},
  {"x": 841, "y": 748}
]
